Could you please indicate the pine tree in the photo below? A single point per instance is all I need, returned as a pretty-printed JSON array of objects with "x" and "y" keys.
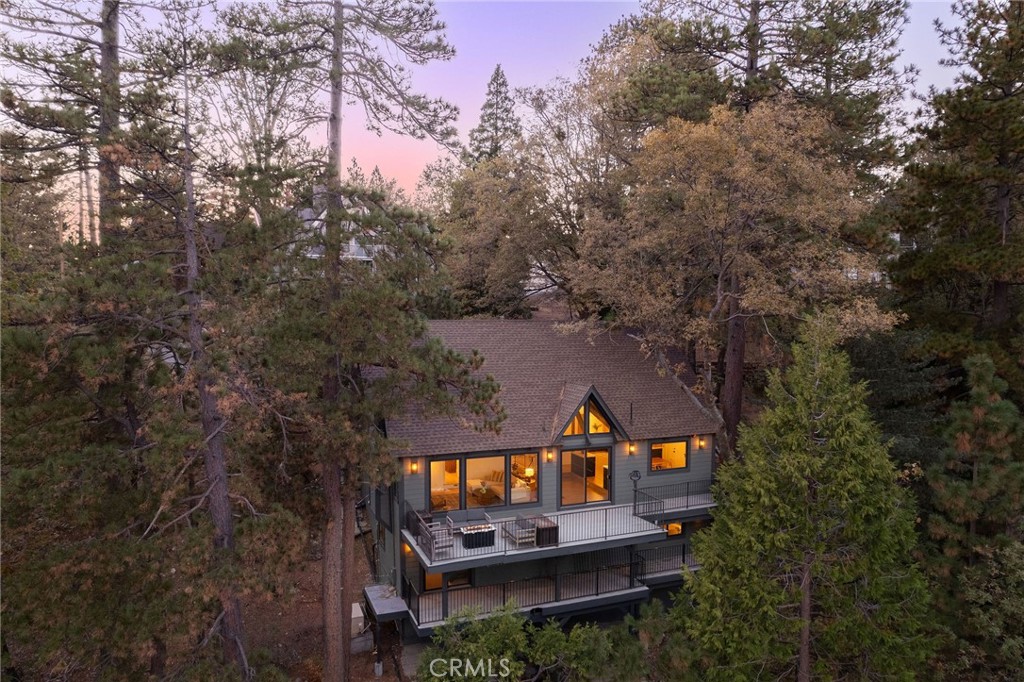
[
  {"x": 976, "y": 529},
  {"x": 743, "y": 211},
  {"x": 964, "y": 201},
  {"x": 67, "y": 92},
  {"x": 905, "y": 388},
  {"x": 836, "y": 55},
  {"x": 362, "y": 335},
  {"x": 492, "y": 220},
  {"x": 499, "y": 126},
  {"x": 354, "y": 45},
  {"x": 806, "y": 571}
]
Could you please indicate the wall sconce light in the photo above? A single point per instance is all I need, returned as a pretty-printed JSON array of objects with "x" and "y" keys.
[
  {"x": 632, "y": 448},
  {"x": 414, "y": 467},
  {"x": 702, "y": 442},
  {"x": 549, "y": 455}
]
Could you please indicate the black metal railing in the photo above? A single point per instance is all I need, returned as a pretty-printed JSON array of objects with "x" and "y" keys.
[
  {"x": 412, "y": 598},
  {"x": 660, "y": 499},
  {"x": 437, "y": 605},
  {"x": 668, "y": 558},
  {"x": 646, "y": 504}
]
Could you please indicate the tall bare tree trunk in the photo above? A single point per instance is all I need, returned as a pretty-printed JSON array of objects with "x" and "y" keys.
[
  {"x": 804, "y": 663},
  {"x": 1001, "y": 313},
  {"x": 332, "y": 568},
  {"x": 81, "y": 195},
  {"x": 348, "y": 569},
  {"x": 753, "y": 31},
  {"x": 90, "y": 205},
  {"x": 110, "y": 114},
  {"x": 212, "y": 419},
  {"x": 735, "y": 351},
  {"x": 336, "y": 622}
]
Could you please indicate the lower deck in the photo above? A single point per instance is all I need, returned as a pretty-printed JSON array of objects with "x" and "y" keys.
[
  {"x": 566, "y": 586},
  {"x": 546, "y": 596}
]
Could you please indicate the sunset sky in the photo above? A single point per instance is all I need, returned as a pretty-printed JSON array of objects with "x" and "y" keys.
[{"x": 536, "y": 42}]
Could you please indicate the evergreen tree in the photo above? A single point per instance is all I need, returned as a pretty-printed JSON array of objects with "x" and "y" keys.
[
  {"x": 499, "y": 126},
  {"x": 493, "y": 221},
  {"x": 741, "y": 212},
  {"x": 127, "y": 554},
  {"x": 976, "y": 527},
  {"x": 66, "y": 94},
  {"x": 838, "y": 56},
  {"x": 354, "y": 45},
  {"x": 655, "y": 645},
  {"x": 362, "y": 335},
  {"x": 646, "y": 82},
  {"x": 807, "y": 570},
  {"x": 905, "y": 397},
  {"x": 964, "y": 201},
  {"x": 515, "y": 650}
]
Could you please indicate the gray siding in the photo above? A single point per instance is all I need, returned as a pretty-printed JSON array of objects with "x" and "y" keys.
[
  {"x": 412, "y": 488},
  {"x": 698, "y": 467}
]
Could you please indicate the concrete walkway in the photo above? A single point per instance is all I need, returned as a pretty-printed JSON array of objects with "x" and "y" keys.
[{"x": 411, "y": 654}]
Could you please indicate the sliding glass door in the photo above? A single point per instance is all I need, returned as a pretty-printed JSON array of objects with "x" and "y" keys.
[{"x": 585, "y": 476}]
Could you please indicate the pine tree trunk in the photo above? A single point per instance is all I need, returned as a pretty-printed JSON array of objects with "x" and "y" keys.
[
  {"x": 348, "y": 569},
  {"x": 81, "y": 196},
  {"x": 753, "y": 30},
  {"x": 211, "y": 417},
  {"x": 332, "y": 567},
  {"x": 110, "y": 112},
  {"x": 804, "y": 664},
  {"x": 1001, "y": 314},
  {"x": 735, "y": 351},
  {"x": 337, "y": 645}
]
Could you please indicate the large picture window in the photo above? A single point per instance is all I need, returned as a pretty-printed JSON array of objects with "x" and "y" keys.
[
  {"x": 485, "y": 481},
  {"x": 523, "y": 483},
  {"x": 488, "y": 481},
  {"x": 444, "y": 485},
  {"x": 668, "y": 455}
]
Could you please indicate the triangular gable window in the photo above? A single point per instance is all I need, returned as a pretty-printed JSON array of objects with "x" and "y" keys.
[{"x": 592, "y": 416}]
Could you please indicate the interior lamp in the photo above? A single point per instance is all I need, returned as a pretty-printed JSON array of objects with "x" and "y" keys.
[{"x": 529, "y": 472}]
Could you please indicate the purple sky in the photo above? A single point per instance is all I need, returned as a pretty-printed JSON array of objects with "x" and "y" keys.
[{"x": 536, "y": 42}]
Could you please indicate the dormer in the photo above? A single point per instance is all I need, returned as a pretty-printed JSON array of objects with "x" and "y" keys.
[{"x": 590, "y": 423}]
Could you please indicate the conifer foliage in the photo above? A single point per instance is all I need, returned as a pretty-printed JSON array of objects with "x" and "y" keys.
[
  {"x": 976, "y": 528},
  {"x": 964, "y": 199},
  {"x": 807, "y": 570},
  {"x": 499, "y": 126}
]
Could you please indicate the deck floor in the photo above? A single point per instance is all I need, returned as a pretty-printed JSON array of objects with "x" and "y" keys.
[{"x": 575, "y": 529}]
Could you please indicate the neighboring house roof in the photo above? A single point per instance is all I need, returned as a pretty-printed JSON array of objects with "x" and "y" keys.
[{"x": 544, "y": 376}]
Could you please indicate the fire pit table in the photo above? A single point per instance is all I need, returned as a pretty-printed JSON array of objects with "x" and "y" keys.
[{"x": 480, "y": 535}]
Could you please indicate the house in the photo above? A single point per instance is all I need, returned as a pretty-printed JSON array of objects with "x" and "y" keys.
[
  {"x": 314, "y": 220},
  {"x": 585, "y": 500}
]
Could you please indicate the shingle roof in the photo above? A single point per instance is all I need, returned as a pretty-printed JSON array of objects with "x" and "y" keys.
[{"x": 542, "y": 371}]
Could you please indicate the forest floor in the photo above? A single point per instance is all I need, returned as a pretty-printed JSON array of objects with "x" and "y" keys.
[{"x": 290, "y": 631}]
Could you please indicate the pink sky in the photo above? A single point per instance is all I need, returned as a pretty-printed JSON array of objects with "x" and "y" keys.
[{"x": 536, "y": 42}]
